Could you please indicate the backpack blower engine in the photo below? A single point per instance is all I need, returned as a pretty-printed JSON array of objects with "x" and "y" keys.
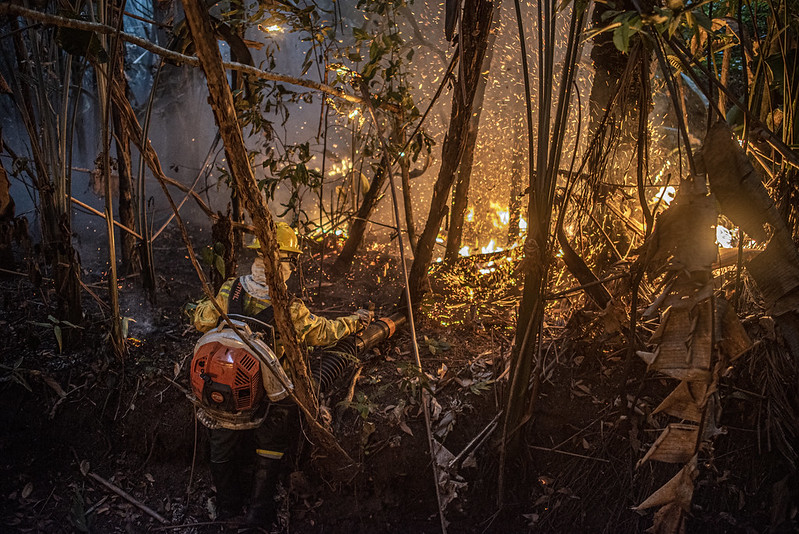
[{"x": 228, "y": 381}]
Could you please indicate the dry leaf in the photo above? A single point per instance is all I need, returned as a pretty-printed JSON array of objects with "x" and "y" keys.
[
  {"x": 676, "y": 444},
  {"x": 670, "y": 519},
  {"x": 55, "y": 386},
  {"x": 686, "y": 401},
  {"x": 679, "y": 490}
]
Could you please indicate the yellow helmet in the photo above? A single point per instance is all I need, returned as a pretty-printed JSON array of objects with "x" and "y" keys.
[{"x": 286, "y": 239}]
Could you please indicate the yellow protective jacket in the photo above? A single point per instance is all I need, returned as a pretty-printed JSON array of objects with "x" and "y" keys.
[{"x": 313, "y": 330}]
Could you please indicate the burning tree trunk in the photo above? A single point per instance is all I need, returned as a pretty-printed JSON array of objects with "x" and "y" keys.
[
  {"x": 221, "y": 101},
  {"x": 475, "y": 26},
  {"x": 460, "y": 196}
]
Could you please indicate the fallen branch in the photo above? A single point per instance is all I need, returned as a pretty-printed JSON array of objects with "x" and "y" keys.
[
  {"x": 125, "y": 495},
  {"x": 477, "y": 441}
]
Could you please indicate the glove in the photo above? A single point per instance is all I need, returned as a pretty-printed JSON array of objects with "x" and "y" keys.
[
  {"x": 188, "y": 311},
  {"x": 364, "y": 316}
]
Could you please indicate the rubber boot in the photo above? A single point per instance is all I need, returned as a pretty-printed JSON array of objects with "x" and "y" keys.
[
  {"x": 263, "y": 509},
  {"x": 229, "y": 498}
]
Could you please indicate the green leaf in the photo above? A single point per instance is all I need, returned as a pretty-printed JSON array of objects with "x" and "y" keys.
[
  {"x": 360, "y": 34},
  {"x": 57, "y": 332},
  {"x": 621, "y": 37},
  {"x": 702, "y": 19},
  {"x": 219, "y": 263}
]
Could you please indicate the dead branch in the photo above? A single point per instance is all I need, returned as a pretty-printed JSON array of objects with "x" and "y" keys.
[{"x": 125, "y": 495}]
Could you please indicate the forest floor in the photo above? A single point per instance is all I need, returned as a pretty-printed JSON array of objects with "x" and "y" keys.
[{"x": 69, "y": 419}]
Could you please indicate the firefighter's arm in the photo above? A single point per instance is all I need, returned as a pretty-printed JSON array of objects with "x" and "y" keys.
[
  {"x": 205, "y": 315},
  {"x": 319, "y": 331}
]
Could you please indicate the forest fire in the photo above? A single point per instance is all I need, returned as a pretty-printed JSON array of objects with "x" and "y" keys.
[{"x": 375, "y": 266}]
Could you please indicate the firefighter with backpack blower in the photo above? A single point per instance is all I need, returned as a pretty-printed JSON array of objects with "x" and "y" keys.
[{"x": 243, "y": 402}]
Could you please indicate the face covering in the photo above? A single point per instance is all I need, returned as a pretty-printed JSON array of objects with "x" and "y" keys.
[{"x": 286, "y": 269}]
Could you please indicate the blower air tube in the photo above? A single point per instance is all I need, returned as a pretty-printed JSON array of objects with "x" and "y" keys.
[{"x": 334, "y": 361}]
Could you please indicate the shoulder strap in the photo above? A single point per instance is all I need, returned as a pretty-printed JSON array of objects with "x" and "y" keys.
[{"x": 236, "y": 304}]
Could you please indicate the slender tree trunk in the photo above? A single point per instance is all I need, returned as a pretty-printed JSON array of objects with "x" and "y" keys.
[
  {"x": 405, "y": 173},
  {"x": 358, "y": 227},
  {"x": 460, "y": 196},
  {"x": 127, "y": 216},
  {"x": 221, "y": 101},
  {"x": 475, "y": 26}
]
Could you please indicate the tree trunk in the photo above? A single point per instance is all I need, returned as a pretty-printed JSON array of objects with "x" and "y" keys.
[
  {"x": 405, "y": 172},
  {"x": 221, "y": 101},
  {"x": 460, "y": 196},
  {"x": 129, "y": 253},
  {"x": 358, "y": 227},
  {"x": 55, "y": 220},
  {"x": 475, "y": 26}
]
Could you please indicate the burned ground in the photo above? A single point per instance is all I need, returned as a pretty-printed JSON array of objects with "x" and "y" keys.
[{"x": 70, "y": 417}]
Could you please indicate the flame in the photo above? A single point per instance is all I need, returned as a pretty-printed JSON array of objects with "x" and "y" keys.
[
  {"x": 470, "y": 215},
  {"x": 666, "y": 194},
  {"x": 272, "y": 28},
  {"x": 341, "y": 169},
  {"x": 354, "y": 113},
  {"x": 464, "y": 251},
  {"x": 492, "y": 247}
]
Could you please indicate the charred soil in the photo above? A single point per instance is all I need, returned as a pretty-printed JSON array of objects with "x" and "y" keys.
[{"x": 75, "y": 416}]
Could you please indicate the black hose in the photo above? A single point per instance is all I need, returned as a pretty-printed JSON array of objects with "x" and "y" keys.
[{"x": 335, "y": 360}]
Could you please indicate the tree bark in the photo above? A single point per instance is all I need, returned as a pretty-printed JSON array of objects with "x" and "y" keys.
[
  {"x": 475, "y": 26},
  {"x": 358, "y": 227},
  {"x": 221, "y": 101},
  {"x": 129, "y": 253},
  {"x": 460, "y": 196}
]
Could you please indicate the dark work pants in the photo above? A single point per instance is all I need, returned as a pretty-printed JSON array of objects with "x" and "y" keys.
[{"x": 233, "y": 452}]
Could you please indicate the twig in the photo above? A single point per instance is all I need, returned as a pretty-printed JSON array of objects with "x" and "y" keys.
[
  {"x": 143, "y": 507},
  {"x": 569, "y": 454},
  {"x": 101, "y": 214},
  {"x": 477, "y": 441},
  {"x": 177, "y": 385},
  {"x": 575, "y": 289}
]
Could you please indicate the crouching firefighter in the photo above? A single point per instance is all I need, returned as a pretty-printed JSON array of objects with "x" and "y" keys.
[{"x": 244, "y": 404}]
